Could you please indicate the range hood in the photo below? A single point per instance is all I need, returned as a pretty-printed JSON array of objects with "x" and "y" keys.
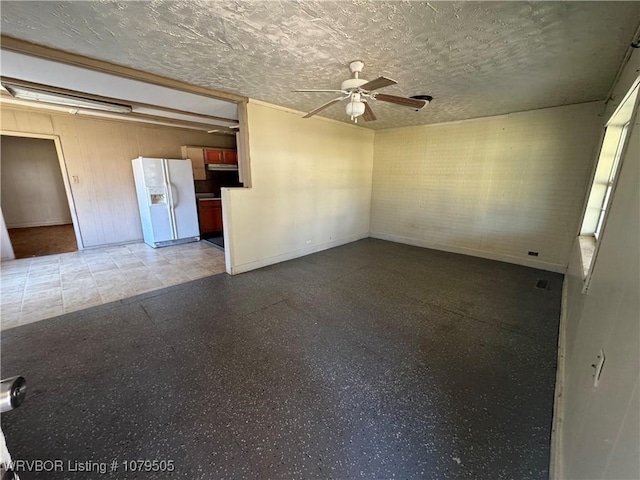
[{"x": 221, "y": 166}]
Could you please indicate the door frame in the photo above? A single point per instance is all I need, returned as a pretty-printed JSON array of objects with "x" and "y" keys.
[{"x": 65, "y": 175}]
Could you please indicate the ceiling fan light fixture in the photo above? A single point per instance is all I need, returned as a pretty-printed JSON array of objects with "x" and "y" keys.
[{"x": 355, "y": 109}]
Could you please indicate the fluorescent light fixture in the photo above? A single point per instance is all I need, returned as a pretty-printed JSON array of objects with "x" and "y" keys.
[
  {"x": 34, "y": 94},
  {"x": 226, "y": 132}
]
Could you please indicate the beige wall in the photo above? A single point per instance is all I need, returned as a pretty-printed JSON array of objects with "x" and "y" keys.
[
  {"x": 99, "y": 153},
  {"x": 311, "y": 188},
  {"x": 33, "y": 192},
  {"x": 599, "y": 426},
  {"x": 494, "y": 187}
]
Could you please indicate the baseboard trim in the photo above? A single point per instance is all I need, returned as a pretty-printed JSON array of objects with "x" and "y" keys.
[
  {"x": 116, "y": 244},
  {"x": 555, "y": 455},
  {"x": 264, "y": 262},
  {"x": 418, "y": 242},
  {"x": 48, "y": 223}
]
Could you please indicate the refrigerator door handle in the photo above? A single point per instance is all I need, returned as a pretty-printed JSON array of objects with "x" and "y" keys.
[
  {"x": 169, "y": 188},
  {"x": 173, "y": 195},
  {"x": 175, "y": 198}
]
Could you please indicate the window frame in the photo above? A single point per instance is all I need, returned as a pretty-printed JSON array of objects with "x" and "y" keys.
[{"x": 613, "y": 174}]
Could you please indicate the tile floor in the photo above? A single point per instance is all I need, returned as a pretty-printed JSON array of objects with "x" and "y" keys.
[{"x": 36, "y": 288}]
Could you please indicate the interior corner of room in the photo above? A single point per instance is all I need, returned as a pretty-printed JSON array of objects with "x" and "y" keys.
[{"x": 538, "y": 207}]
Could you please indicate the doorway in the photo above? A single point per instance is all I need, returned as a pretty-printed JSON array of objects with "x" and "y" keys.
[{"x": 35, "y": 205}]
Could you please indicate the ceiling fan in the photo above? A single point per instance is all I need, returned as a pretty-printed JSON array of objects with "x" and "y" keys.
[{"x": 359, "y": 92}]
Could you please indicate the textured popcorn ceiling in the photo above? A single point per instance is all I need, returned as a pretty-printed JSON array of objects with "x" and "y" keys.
[{"x": 475, "y": 58}]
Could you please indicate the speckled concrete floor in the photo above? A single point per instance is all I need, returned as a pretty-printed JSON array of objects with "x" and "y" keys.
[{"x": 371, "y": 360}]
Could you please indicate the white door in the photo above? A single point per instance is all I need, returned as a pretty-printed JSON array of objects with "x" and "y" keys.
[{"x": 183, "y": 198}]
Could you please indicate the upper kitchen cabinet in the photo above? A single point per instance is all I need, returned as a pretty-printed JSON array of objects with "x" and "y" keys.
[
  {"x": 230, "y": 157},
  {"x": 213, "y": 155},
  {"x": 196, "y": 155},
  {"x": 220, "y": 156},
  {"x": 202, "y": 156}
]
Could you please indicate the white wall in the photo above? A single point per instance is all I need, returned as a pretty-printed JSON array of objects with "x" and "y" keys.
[
  {"x": 33, "y": 192},
  {"x": 311, "y": 188},
  {"x": 599, "y": 426},
  {"x": 495, "y": 187}
]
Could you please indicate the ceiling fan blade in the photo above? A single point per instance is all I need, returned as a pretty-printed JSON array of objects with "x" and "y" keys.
[
  {"x": 378, "y": 83},
  {"x": 322, "y": 107},
  {"x": 334, "y": 91},
  {"x": 407, "y": 102},
  {"x": 368, "y": 114}
]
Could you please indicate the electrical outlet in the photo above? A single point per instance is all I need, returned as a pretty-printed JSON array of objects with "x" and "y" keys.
[
  {"x": 533, "y": 254},
  {"x": 598, "y": 367},
  {"x": 308, "y": 242}
]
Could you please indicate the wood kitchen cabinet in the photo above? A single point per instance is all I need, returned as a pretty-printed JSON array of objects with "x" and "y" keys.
[
  {"x": 213, "y": 155},
  {"x": 210, "y": 212},
  {"x": 220, "y": 156},
  {"x": 230, "y": 157},
  {"x": 202, "y": 156},
  {"x": 196, "y": 155}
]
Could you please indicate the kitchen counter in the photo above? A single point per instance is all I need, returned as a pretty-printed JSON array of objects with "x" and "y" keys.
[{"x": 207, "y": 196}]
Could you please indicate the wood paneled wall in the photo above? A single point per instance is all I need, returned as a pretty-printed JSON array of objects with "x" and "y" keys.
[{"x": 98, "y": 156}]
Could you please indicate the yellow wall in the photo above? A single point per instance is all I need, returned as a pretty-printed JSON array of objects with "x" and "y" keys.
[
  {"x": 495, "y": 187},
  {"x": 99, "y": 153},
  {"x": 311, "y": 188}
]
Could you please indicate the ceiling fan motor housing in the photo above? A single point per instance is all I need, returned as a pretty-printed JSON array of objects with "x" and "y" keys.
[{"x": 352, "y": 84}]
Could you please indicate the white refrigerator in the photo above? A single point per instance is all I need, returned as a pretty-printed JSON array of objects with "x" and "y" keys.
[{"x": 167, "y": 201}]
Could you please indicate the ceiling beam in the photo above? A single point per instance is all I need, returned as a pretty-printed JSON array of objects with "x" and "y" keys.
[
  {"x": 100, "y": 98},
  {"x": 35, "y": 50},
  {"x": 11, "y": 102}
]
